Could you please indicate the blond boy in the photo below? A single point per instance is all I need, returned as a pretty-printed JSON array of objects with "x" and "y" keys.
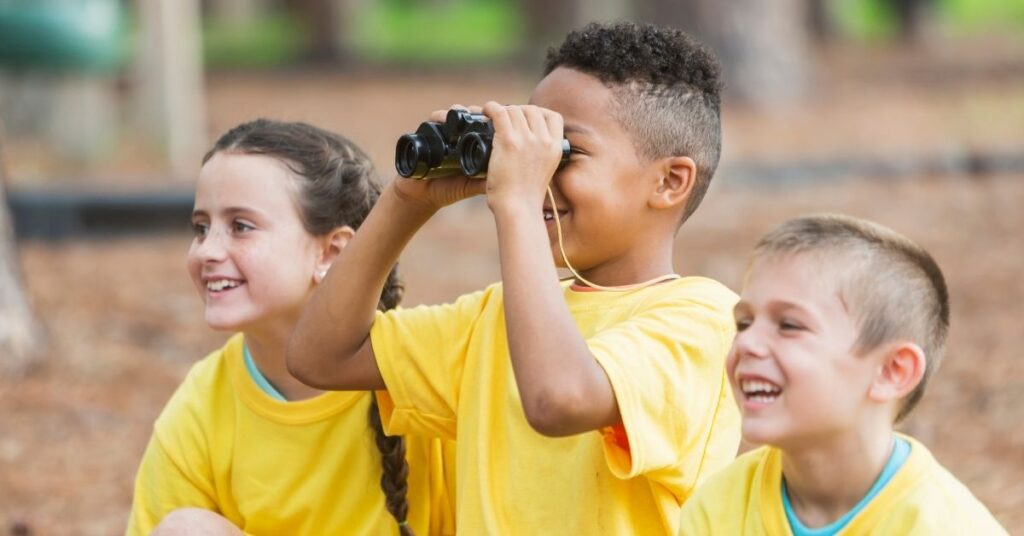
[{"x": 840, "y": 325}]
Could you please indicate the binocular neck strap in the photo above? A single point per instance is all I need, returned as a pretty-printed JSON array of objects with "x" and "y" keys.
[{"x": 620, "y": 288}]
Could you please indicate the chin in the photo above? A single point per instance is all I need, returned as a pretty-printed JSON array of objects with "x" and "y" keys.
[
  {"x": 761, "y": 433},
  {"x": 218, "y": 322}
]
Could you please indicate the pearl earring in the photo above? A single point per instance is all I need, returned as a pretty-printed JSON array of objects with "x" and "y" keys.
[{"x": 321, "y": 274}]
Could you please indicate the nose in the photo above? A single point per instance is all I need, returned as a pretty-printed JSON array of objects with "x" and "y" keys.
[
  {"x": 750, "y": 343},
  {"x": 212, "y": 247}
]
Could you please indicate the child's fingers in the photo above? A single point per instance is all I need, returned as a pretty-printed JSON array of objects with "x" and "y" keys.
[
  {"x": 517, "y": 118},
  {"x": 439, "y": 116},
  {"x": 555, "y": 125},
  {"x": 535, "y": 118},
  {"x": 498, "y": 115}
]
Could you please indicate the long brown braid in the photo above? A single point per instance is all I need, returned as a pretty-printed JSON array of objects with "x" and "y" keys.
[{"x": 339, "y": 187}]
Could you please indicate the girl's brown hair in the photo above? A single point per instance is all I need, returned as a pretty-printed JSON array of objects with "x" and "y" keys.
[{"x": 338, "y": 186}]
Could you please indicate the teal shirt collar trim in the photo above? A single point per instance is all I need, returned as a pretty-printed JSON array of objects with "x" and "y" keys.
[
  {"x": 900, "y": 453},
  {"x": 259, "y": 378}
]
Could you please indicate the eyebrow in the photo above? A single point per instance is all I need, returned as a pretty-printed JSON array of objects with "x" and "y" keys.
[
  {"x": 577, "y": 129},
  {"x": 230, "y": 211},
  {"x": 774, "y": 304}
]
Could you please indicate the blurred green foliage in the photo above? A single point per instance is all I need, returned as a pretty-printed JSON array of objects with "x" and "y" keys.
[
  {"x": 434, "y": 31},
  {"x": 874, "y": 20},
  {"x": 979, "y": 15},
  {"x": 456, "y": 30},
  {"x": 267, "y": 41}
]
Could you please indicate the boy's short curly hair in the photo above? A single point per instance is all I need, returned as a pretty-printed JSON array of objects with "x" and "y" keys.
[
  {"x": 892, "y": 286},
  {"x": 667, "y": 89}
]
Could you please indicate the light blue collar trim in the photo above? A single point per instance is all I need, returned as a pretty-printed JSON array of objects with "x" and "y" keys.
[
  {"x": 259, "y": 378},
  {"x": 900, "y": 453}
]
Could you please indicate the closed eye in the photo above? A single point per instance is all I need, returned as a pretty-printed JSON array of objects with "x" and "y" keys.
[
  {"x": 200, "y": 229},
  {"x": 241, "y": 227},
  {"x": 787, "y": 325}
]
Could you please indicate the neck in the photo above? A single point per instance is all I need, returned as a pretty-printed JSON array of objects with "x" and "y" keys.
[
  {"x": 827, "y": 480},
  {"x": 268, "y": 351},
  {"x": 630, "y": 271}
]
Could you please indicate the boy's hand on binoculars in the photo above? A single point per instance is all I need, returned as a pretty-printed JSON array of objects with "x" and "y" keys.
[
  {"x": 525, "y": 154},
  {"x": 440, "y": 192}
]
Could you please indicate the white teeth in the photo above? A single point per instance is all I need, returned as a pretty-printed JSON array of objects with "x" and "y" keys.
[
  {"x": 220, "y": 284},
  {"x": 548, "y": 215},
  {"x": 758, "y": 389}
]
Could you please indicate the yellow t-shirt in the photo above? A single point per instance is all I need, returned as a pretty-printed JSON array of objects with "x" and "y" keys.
[
  {"x": 922, "y": 498},
  {"x": 448, "y": 373},
  {"x": 271, "y": 467}
]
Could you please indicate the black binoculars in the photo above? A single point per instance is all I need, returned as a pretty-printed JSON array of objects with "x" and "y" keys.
[{"x": 460, "y": 145}]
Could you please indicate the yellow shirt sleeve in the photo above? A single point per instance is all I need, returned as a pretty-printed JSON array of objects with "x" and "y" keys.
[
  {"x": 161, "y": 486},
  {"x": 421, "y": 353},
  {"x": 666, "y": 365}
]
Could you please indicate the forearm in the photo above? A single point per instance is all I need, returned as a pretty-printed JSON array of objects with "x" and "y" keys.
[
  {"x": 564, "y": 390},
  {"x": 336, "y": 322}
]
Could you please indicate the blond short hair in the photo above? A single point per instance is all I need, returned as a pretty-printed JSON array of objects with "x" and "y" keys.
[{"x": 892, "y": 286}]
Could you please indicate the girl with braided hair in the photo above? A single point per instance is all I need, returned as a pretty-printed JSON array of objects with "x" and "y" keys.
[{"x": 242, "y": 447}]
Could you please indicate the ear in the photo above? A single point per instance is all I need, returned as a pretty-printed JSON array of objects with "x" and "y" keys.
[
  {"x": 330, "y": 246},
  {"x": 902, "y": 369},
  {"x": 676, "y": 177}
]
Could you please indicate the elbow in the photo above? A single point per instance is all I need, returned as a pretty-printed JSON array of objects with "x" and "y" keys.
[
  {"x": 318, "y": 367},
  {"x": 298, "y": 367},
  {"x": 300, "y": 360},
  {"x": 555, "y": 414}
]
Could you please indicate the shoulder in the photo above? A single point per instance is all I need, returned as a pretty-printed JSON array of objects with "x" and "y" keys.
[
  {"x": 724, "y": 502},
  {"x": 726, "y": 488},
  {"x": 935, "y": 502},
  {"x": 466, "y": 304},
  {"x": 700, "y": 294},
  {"x": 697, "y": 309},
  {"x": 208, "y": 381}
]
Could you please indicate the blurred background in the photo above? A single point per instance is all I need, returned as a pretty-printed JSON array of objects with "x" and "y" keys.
[{"x": 908, "y": 112}]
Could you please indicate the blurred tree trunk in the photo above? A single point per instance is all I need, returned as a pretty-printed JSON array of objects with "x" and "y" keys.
[
  {"x": 547, "y": 23},
  {"x": 168, "y": 76},
  {"x": 322, "y": 23},
  {"x": 21, "y": 338},
  {"x": 763, "y": 46},
  {"x": 819, "y": 21},
  {"x": 911, "y": 15}
]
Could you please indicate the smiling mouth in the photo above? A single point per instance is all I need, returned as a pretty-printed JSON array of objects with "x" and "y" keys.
[
  {"x": 760, "y": 391},
  {"x": 216, "y": 286}
]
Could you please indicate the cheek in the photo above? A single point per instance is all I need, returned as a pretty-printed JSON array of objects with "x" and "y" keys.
[
  {"x": 193, "y": 265},
  {"x": 730, "y": 362}
]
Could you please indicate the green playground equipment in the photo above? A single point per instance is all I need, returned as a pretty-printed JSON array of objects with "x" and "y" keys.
[{"x": 62, "y": 35}]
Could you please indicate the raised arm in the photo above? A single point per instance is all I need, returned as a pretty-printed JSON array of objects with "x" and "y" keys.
[
  {"x": 564, "y": 390},
  {"x": 330, "y": 345}
]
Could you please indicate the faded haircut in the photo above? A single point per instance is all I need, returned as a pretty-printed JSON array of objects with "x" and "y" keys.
[
  {"x": 892, "y": 286},
  {"x": 666, "y": 86}
]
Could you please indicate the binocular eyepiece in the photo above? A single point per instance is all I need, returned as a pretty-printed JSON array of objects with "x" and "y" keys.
[{"x": 460, "y": 145}]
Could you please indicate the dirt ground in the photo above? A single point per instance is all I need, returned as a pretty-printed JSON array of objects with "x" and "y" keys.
[{"x": 125, "y": 323}]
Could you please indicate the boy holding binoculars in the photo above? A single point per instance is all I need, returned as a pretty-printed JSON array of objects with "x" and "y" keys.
[{"x": 589, "y": 406}]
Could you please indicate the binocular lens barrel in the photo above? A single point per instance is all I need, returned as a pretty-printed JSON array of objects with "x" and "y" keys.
[
  {"x": 409, "y": 158},
  {"x": 474, "y": 153},
  {"x": 461, "y": 144}
]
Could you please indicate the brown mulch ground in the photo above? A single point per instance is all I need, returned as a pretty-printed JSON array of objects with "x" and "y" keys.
[{"x": 125, "y": 324}]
